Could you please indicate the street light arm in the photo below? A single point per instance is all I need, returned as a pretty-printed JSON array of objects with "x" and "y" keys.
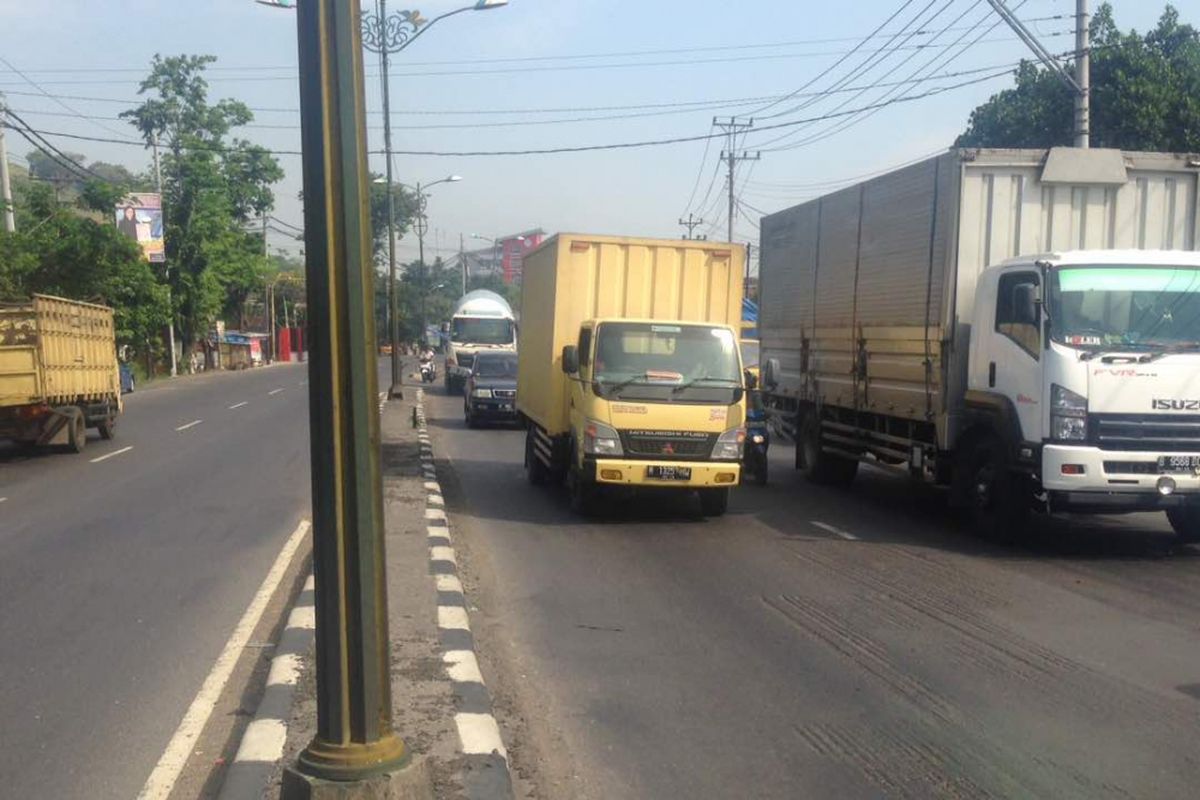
[{"x": 397, "y": 31}]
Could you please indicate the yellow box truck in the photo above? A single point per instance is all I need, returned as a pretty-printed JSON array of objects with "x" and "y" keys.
[
  {"x": 629, "y": 374},
  {"x": 58, "y": 371}
]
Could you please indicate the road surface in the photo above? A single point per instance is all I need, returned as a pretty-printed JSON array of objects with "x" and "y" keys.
[
  {"x": 124, "y": 569},
  {"x": 821, "y": 643}
]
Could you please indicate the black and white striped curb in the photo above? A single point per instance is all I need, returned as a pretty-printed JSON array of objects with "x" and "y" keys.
[
  {"x": 486, "y": 773},
  {"x": 263, "y": 742}
]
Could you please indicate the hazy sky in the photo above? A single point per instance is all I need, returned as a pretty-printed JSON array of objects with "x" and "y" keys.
[{"x": 521, "y": 77}]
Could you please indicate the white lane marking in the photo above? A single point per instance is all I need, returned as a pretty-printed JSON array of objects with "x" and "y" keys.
[
  {"x": 162, "y": 780},
  {"x": 263, "y": 741},
  {"x": 480, "y": 735},
  {"x": 462, "y": 666},
  {"x": 825, "y": 526},
  {"x": 310, "y": 583},
  {"x": 453, "y": 618},
  {"x": 3, "y": 499},
  {"x": 191, "y": 424},
  {"x": 107, "y": 456},
  {"x": 449, "y": 583},
  {"x": 442, "y": 554},
  {"x": 274, "y": 391},
  {"x": 239, "y": 405},
  {"x": 303, "y": 618},
  {"x": 285, "y": 670}
]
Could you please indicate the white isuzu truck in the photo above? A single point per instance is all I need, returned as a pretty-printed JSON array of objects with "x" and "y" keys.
[
  {"x": 1022, "y": 327},
  {"x": 482, "y": 320}
]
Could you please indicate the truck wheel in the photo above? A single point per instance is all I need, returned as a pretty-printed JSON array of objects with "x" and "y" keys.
[
  {"x": 992, "y": 492},
  {"x": 76, "y": 431},
  {"x": 1186, "y": 522},
  {"x": 714, "y": 502},
  {"x": 106, "y": 427},
  {"x": 535, "y": 470},
  {"x": 819, "y": 466},
  {"x": 582, "y": 494}
]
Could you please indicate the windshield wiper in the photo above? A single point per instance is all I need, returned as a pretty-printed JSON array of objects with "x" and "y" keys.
[
  {"x": 694, "y": 381},
  {"x": 616, "y": 387}
]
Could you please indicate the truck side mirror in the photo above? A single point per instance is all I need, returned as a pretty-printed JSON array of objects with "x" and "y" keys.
[
  {"x": 1025, "y": 304},
  {"x": 570, "y": 359},
  {"x": 770, "y": 373},
  {"x": 749, "y": 379}
]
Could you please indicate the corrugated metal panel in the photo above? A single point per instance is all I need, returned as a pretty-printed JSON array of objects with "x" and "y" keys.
[
  {"x": 788, "y": 267},
  {"x": 572, "y": 278},
  {"x": 70, "y": 345}
]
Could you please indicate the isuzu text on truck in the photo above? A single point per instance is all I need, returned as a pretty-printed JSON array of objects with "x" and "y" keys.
[
  {"x": 629, "y": 375},
  {"x": 1021, "y": 326}
]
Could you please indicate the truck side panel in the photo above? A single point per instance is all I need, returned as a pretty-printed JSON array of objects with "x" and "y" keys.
[
  {"x": 77, "y": 350},
  {"x": 572, "y": 278}
]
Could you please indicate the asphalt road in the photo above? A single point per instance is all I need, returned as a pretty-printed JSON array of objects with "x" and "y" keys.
[
  {"x": 822, "y": 643},
  {"x": 122, "y": 578}
]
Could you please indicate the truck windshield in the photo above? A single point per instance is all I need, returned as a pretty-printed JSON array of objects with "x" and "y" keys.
[
  {"x": 1125, "y": 306},
  {"x": 650, "y": 361},
  {"x": 481, "y": 330}
]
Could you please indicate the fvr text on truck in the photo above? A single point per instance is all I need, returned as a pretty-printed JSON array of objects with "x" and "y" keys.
[
  {"x": 1022, "y": 326},
  {"x": 629, "y": 375}
]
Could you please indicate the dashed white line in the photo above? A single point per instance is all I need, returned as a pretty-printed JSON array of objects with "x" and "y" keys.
[
  {"x": 3, "y": 499},
  {"x": 191, "y": 424},
  {"x": 274, "y": 391},
  {"x": 239, "y": 405},
  {"x": 107, "y": 456},
  {"x": 825, "y": 526},
  {"x": 162, "y": 780}
]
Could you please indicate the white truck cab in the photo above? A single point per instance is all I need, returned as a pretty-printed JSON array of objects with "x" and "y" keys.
[
  {"x": 482, "y": 321},
  {"x": 1093, "y": 358}
]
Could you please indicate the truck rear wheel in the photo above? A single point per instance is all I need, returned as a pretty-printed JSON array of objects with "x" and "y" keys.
[
  {"x": 535, "y": 470},
  {"x": 818, "y": 465},
  {"x": 1186, "y": 522},
  {"x": 714, "y": 502},
  {"x": 106, "y": 427},
  {"x": 76, "y": 430}
]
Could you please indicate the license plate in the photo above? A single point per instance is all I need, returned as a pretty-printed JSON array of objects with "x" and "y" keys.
[
  {"x": 669, "y": 473},
  {"x": 1178, "y": 463}
]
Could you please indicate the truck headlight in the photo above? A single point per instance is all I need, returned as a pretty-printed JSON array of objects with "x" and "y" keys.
[
  {"x": 601, "y": 440},
  {"x": 729, "y": 444},
  {"x": 481, "y": 393},
  {"x": 1068, "y": 415}
]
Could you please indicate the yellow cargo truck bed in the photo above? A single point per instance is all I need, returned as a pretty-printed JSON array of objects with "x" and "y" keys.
[
  {"x": 574, "y": 277},
  {"x": 55, "y": 351}
]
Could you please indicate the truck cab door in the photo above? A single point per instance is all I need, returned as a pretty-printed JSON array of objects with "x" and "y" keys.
[{"x": 1008, "y": 360}]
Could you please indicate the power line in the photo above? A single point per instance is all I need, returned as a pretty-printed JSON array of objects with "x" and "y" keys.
[
  {"x": 577, "y": 148},
  {"x": 48, "y": 149},
  {"x": 43, "y": 92}
]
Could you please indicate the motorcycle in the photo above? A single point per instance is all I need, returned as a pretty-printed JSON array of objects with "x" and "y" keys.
[
  {"x": 758, "y": 439},
  {"x": 428, "y": 371}
]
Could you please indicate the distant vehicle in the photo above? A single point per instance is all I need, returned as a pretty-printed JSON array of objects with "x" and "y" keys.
[
  {"x": 428, "y": 371},
  {"x": 58, "y": 372},
  {"x": 917, "y": 321},
  {"x": 127, "y": 379},
  {"x": 482, "y": 321},
  {"x": 630, "y": 376},
  {"x": 385, "y": 349},
  {"x": 491, "y": 391},
  {"x": 758, "y": 436}
]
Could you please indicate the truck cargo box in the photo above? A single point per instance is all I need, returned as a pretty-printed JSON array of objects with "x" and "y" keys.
[
  {"x": 572, "y": 278},
  {"x": 867, "y": 292},
  {"x": 55, "y": 351}
]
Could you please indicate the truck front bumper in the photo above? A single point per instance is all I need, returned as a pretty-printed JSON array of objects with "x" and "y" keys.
[
  {"x": 704, "y": 474},
  {"x": 1081, "y": 477}
]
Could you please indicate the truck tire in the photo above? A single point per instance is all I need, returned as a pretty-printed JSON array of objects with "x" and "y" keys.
[
  {"x": 996, "y": 506},
  {"x": 535, "y": 471},
  {"x": 714, "y": 502},
  {"x": 819, "y": 466},
  {"x": 76, "y": 430},
  {"x": 582, "y": 494},
  {"x": 1186, "y": 522},
  {"x": 106, "y": 426}
]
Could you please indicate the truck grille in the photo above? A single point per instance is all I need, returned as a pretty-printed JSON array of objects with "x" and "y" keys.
[
  {"x": 1166, "y": 433},
  {"x": 504, "y": 394},
  {"x": 674, "y": 445}
]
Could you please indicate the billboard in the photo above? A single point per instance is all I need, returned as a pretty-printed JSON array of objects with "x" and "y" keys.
[
  {"x": 513, "y": 254},
  {"x": 139, "y": 216}
]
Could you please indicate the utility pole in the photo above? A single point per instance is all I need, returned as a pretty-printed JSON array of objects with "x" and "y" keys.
[
  {"x": 1083, "y": 76},
  {"x": 691, "y": 223},
  {"x": 732, "y": 127},
  {"x": 355, "y": 751},
  {"x": 422, "y": 229},
  {"x": 166, "y": 265},
  {"x": 10, "y": 221},
  {"x": 462, "y": 256}
]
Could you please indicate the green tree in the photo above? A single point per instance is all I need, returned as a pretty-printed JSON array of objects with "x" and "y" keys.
[
  {"x": 1145, "y": 94},
  {"x": 212, "y": 186},
  {"x": 405, "y": 204}
]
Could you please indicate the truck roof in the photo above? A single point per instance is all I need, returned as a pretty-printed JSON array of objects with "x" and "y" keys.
[{"x": 1185, "y": 258}]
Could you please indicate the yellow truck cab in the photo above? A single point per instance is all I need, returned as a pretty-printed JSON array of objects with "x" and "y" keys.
[{"x": 629, "y": 371}]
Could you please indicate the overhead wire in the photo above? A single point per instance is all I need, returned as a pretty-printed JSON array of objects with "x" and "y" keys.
[{"x": 44, "y": 93}]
